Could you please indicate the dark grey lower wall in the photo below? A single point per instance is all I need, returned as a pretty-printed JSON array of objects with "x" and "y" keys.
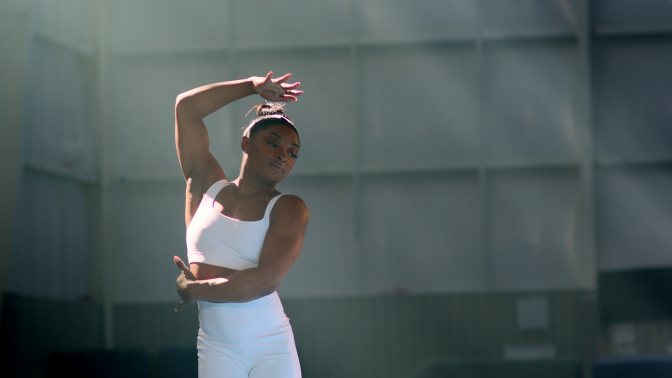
[
  {"x": 381, "y": 336},
  {"x": 153, "y": 327},
  {"x": 389, "y": 336}
]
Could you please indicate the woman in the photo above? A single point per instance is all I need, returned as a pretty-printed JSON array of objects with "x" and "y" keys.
[{"x": 243, "y": 236}]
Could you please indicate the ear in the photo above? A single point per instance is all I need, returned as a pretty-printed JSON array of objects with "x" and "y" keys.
[{"x": 244, "y": 144}]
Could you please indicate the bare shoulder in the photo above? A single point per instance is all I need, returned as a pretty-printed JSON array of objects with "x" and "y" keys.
[{"x": 290, "y": 208}]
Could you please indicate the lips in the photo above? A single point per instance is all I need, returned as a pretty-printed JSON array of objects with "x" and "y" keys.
[{"x": 277, "y": 167}]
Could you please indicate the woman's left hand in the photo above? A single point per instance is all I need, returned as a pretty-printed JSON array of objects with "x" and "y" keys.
[{"x": 182, "y": 282}]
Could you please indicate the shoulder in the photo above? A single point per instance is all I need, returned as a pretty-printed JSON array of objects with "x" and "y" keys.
[{"x": 290, "y": 208}]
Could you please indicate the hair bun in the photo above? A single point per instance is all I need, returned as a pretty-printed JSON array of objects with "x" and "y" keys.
[{"x": 270, "y": 108}]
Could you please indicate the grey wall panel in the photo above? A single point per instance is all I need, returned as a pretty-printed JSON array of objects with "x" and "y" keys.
[
  {"x": 418, "y": 106},
  {"x": 61, "y": 20},
  {"x": 530, "y": 14},
  {"x": 329, "y": 262},
  {"x": 421, "y": 234},
  {"x": 383, "y": 18},
  {"x": 323, "y": 115},
  {"x": 632, "y": 13},
  {"x": 528, "y": 110},
  {"x": 634, "y": 217},
  {"x": 271, "y": 21},
  {"x": 51, "y": 249},
  {"x": 13, "y": 47},
  {"x": 147, "y": 231},
  {"x": 632, "y": 98},
  {"x": 532, "y": 231},
  {"x": 156, "y": 24},
  {"x": 55, "y": 134},
  {"x": 143, "y": 112}
]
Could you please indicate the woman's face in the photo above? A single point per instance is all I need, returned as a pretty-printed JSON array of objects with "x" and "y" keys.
[{"x": 272, "y": 152}]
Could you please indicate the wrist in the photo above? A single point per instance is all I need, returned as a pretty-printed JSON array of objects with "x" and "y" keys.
[
  {"x": 252, "y": 84},
  {"x": 193, "y": 290}
]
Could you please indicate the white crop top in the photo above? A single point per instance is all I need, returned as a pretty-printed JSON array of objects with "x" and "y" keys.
[{"x": 215, "y": 239}]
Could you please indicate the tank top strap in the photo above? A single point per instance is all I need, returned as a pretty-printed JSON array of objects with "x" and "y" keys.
[
  {"x": 270, "y": 205},
  {"x": 215, "y": 188}
]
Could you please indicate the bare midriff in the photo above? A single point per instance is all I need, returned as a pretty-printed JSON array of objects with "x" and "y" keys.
[{"x": 204, "y": 271}]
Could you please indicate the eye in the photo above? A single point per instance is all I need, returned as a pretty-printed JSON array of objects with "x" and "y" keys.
[
  {"x": 272, "y": 144},
  {"x": 293, "y": 155}
]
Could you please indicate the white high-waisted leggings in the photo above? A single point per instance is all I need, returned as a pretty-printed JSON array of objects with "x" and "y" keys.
[{"x": 241, "y": 340}]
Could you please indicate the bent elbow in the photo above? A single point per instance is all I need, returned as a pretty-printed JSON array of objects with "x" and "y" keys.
[
  {"x": 181, "y": 102},
  {"x": 267, "y": 288},
  {"x": 272, "y": 288}
]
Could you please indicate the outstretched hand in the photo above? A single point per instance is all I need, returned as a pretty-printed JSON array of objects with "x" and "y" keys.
[
  {"x": 277, "y": 90},
  {"x": 182, "y": 281}
]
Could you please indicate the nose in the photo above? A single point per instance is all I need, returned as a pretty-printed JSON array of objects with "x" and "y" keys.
[{"x": 282, "y": 156}]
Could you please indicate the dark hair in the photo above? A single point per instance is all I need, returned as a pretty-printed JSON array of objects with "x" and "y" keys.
[{"x": 268, "y": 114}]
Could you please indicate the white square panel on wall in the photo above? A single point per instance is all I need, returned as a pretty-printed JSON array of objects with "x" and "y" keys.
[
  {"x": 421, "y": 233},
  {"x": 532, "y": 237},
  {"x": 140, "y": 25},
  {"x": 418, "y": 106},
  {"x": 143, "y": 112},
  {"x": 408, "y": 19},
  {"x": 267, "y": 21},
  {"x": 323, "y": 115},
  {"x": 633, "y": 98},
  {"x": 528, "y": 109},
  {"x": 634, "y": 217},
  {"x": 329, "y": 263}
]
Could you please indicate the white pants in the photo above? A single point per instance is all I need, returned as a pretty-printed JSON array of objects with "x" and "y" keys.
[{"x": 271, "y": 354}]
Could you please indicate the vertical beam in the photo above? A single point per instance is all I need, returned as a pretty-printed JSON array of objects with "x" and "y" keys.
[
  {"x": 13, "y": 49},
  {"x": 486, "y": 257},
  {"x": 589, "y": 311},
  {"x": 583, "y": 110},
  {"x": 355, "y": 99},
  {"x": 106, "y": 269}
]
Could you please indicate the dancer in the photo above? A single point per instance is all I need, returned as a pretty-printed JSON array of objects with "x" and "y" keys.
[{"x": 243, "y": 236}]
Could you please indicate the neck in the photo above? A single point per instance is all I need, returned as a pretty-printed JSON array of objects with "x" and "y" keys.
[{"x": 251, "y": 186}]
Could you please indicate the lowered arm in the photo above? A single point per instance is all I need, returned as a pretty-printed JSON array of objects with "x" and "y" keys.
[{"x": 282, "y": 246}]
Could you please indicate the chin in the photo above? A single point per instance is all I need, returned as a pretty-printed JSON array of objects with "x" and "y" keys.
[{"x": 275, "y": 179}]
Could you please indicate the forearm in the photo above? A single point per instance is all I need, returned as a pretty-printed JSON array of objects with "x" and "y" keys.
[
  {"x": 202, "y": 101},
  {"x": 239, "y": 287}
]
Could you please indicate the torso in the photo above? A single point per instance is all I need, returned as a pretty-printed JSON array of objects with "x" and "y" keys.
[{"x": 227, "y": 203}]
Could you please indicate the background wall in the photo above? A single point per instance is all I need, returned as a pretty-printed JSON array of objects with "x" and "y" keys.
[
  {"x": 439, "y": 156},
  {"x": 449, "y": 148}
]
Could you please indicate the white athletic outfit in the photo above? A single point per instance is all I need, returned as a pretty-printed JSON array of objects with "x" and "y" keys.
[{"x": 252, "y": 339}]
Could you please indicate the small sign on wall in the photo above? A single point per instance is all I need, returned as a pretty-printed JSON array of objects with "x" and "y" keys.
[{"x": 532, "y": 313}]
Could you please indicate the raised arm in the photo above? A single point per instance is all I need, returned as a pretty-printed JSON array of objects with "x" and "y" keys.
[
  {"x": 199, "y": 167},
  {"x": 281, "y": 248}
]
